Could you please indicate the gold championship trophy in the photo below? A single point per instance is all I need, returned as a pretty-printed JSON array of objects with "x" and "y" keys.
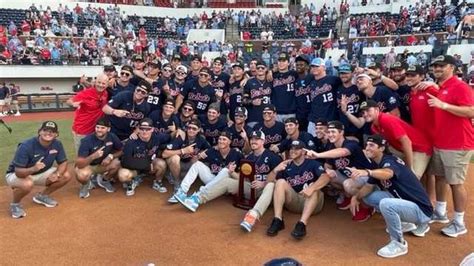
[{"x": 247, "y": 172}]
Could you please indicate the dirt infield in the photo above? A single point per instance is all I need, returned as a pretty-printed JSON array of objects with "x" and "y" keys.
[{"x": 119, "y": 230}]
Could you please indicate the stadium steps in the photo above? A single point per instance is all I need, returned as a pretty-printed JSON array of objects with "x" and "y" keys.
[{"x": 232, "y": 32}]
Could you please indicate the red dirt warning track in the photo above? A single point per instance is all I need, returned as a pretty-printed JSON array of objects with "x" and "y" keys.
[{"x": 119, "y": 230}]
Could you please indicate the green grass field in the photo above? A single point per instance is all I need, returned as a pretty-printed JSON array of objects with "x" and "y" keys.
[{"x": 27, "y": 129}]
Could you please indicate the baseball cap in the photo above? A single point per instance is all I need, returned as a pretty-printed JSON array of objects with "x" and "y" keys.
[
  {"x": 50, "y": 125},
  {"x": 182, "y": 68},
  {"x": 194, "y": 122},
  {"x": 241, "y": 111},
  {"x": 146, "y": 122},
  {"x": 291, "y": 120},
  {"x": 368, "y": 104},
  {"x": 127, "y": 68},
  {"x": 269, "y": 107},
  {"x": 169, "y": 101},
  {"x": 103, "y": 121},
  {"x": 444, "y": 60},
  {"x": 363, "y": 75},
  {"x": 137, "y": 57},
  {"x": 219, "y": 60},
  {"x": 321, "y": 122},
  {"x": 239, "y": 64},
  {"x": 415, "y": 69},
  {"x": 398, "y": 65},
  {"x": 156, "y": 63},
  {"x": 109, "y": 68},
  {"x": 377, "y": 139},
  {"x": 215, "y": 106},
  {"x": 335, "y": 125},
  {"x": 258, "y": 134},
  {"x": 196, "y": 57},
  {"x": 189, "y": 103},
  {"x": 261, "y": 63},
  {"x": 226, "y": 134},
  {"x": 302, "y": 58},
  {"x": 345, "y": 68},
  {"x": 176, "y": 57},
  {"x": 205, "y": 70},
  {"x": 374, "y": 65},
  {"x": 298, "y": 144},
  {"x": 283, "y": 57},
  {"x": 318, "y": 62},
  {"x": 144, "y": 85}
]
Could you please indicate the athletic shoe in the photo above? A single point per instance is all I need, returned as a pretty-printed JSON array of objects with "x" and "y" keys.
[
  {"x": 191, "y": 203},
  {"x": 421, "y": 230},
  {"x": 172, "y": 199},
  {"x": 84, "y": 190},
  {"x": 105, "y": 184},
  {"x": 45, "y": 200},
  {"x": 180, "y": 196},
  {"x": 17, "y": 210},
  {"x": 393, "y": 249},
  {"x": 94, "y": 183},
  {"x": 17, "y": 114},
  {"x": 300, "y": 230},
  {"x": 454, "y": 229},
  {"x": 442, "y": 219},
  {"x": 131, "y": 188},
  {"x": 345, "y": 204},
  {"x": 276, "y": 226},
  {"x": 179, "y": 193},
  {"x": 248, "y": 222},
  {"x": 158, "y": 186},
  {"x": 406, "y": 227},
  {"x": 363, "y": 214}
]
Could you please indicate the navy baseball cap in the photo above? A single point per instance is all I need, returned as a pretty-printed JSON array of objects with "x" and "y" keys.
[
  {"x": 269, "y": 107},
  {"x": 108, "y": 68},
  {"x": 368, "y": 104},
  {"x": 298, "y": 144},
  {"x": 335, "y": 125},
  {"x": 398, "y": 65},
  {"x": 196, "y": 57},
  {"x": 415, "y": 69},
  {"x": 195, "y": 122},
  {"x": 444, "y": 60},
  {"x": 241, "y": 111},
  {"x": 258, "y": 134},
  {"x": 283, "y": 57},
  {"x": 239, "y": 64},
  {"x": 321, "y": 122},
  {"x": 302, "y": 58},
  {"x": 103, "y": 121},
  {"x": 146, "y": 122},
  {"x": 49, "y": 125},
  {"x": 226, "y": 134},
  {"x": 137, "y": 57},
  {"x": 377, "y": 139},
  {"x": 291, "y": 120},
  {"x": 374, "y": 65},
  {"x": 345, "y": 68}
]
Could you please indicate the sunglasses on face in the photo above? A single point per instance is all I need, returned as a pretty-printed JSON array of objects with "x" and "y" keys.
[
  {"x": 192, "y": 128},
  {"x": 188, "y": 109},
  {"x": 268, "y": 113},
  {"x": 203, "y": 75},
  {"x": 145, "y": 128},
  {"x": 125, "y": 74},
  {"x": 142, "y": 92},
  {"x": 180, "y": 73},
  {"x": 261, "y": 68},
  {"x": 167, "y": 70}
]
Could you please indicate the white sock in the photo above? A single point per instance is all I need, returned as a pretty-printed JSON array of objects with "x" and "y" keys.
[
  {"x": 459, "y": 217},
  {"x": 440, "y": 207}
]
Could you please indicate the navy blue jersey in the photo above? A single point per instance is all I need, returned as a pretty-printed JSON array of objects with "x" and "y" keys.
[
  {"x": 212, "y": 131},
  {"x": 385, "y": 98},
  {"x": 138, "y": 154},
  {"x": 175, "y": 89},
  {"x": 404, "y": 184},
  {"x": 236, "y": 94},
  {"x": 356, "y": 159},
  {"x": 404, "y": 97},
  {"x": 355, "y": 99},
  {"x": 257, "y": 89},
  {"x": 300, "y": 175},
  {"x": 323, "y": 98},
  {"x": 303, "y": 136},
  {"x": 117, "y": 88},
  {"x": 221, "y": 82},
  {"x": 156, "y": 96},
  {"x": 274, "y": 134},
  {"x": 161, "y": 125},
  {"x": 31, "y": 151},
  {"x": 216, "y": 162},
  {"x": 123, "y": 126},
  {"x": 237, "y": 141},
  {"x": 264, "y": 163},
  {"x": 91, "y": 144},
  {"x": 283, "y": 92},
  {"x": 178, "y": 143},
  {"x": 303, "y": 96},
  {"x": 201, "y": 96}
]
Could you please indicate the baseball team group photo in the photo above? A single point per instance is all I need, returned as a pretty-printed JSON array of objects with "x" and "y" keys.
[{"x": 220, "y": 132}]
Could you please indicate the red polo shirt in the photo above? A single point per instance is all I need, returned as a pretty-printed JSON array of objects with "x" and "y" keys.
[
  {"x": 393, "y": 128},
  {"x": 422, "y": 115},
  {"x": 454, "y": 132},
  {"x": 89, "y": 111}
]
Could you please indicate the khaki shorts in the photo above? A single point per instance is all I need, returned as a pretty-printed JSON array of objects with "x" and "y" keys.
[
  {"x": 8, "y": 101},
  {"x": 296, "y": 203},
  {"x": 77, "y": 140},
  {"x": 2, "y": 102},
  {"x": 95, "y": 169},
  {"x": 421, "y": 161},
  {"x": 451, "y": 164},
  {"x": 38, "y": 180}
]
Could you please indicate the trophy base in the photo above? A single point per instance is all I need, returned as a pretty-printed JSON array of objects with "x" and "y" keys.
[{"x": 243, "y": 204}]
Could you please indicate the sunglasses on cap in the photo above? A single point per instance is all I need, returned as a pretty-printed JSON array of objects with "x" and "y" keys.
[
  {"x": 125, "y": 74},
  {"x": 143, "y": 92}
]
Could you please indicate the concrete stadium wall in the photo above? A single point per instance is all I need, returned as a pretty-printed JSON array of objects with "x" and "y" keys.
[{"x": 131, "y": 10}]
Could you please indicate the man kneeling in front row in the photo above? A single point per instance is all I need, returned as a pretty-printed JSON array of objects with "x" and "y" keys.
[
  {"x": 298, "y": 189},
  {"x": 401, "y": 197}
]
